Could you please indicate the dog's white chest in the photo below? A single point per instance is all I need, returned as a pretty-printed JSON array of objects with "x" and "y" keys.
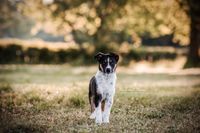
[{"x": 105, "y": 83}]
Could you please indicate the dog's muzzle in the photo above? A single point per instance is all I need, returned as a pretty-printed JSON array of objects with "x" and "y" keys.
[{"x": 108, "y": 70}]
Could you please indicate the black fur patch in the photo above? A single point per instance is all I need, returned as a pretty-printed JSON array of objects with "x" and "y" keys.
[{"x": 94, "y": 97}]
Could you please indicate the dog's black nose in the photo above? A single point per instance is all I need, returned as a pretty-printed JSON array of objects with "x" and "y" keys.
[{"x": 108, "y": 70}]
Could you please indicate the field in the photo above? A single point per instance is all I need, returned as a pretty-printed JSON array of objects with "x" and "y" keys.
[{"x": 53, "y": 98}]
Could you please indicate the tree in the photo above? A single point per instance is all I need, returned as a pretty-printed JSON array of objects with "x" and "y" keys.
[{"x": 193, "y": 55}]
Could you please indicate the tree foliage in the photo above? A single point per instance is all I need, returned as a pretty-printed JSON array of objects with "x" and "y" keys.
[{"x": 113, "y": 21}]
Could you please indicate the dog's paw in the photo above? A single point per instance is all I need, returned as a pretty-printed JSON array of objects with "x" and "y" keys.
[
  {"x": 98, "y": 121},
  {"x": 93, "y": 115},
  {"x": 105, "y": 120}
]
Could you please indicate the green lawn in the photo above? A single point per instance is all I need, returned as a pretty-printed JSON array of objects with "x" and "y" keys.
[{"x": 53, "y": 98}]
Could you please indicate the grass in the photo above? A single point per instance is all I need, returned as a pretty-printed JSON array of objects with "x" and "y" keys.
[{"x": 42, "y": 98}]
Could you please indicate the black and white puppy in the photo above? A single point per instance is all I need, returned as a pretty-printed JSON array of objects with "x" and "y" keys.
[{"x": 102, "y": 87}]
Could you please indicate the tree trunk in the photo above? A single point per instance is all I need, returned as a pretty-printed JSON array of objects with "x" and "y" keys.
[
  {"x": 194, "y": 39},
  {"x": 193, "y": 56}
]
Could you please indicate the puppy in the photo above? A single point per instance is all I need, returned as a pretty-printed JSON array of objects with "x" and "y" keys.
[{"x": 102, "y": 87}]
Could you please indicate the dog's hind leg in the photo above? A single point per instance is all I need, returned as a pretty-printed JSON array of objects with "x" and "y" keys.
[{"x": 92, "y": 105}]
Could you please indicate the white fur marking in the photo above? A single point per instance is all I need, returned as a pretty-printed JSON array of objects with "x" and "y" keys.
[{"x": 108, "y": 65}]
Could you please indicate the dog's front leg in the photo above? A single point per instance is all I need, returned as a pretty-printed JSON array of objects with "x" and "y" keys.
[
  {"x": 98, "y": 111},
  {"x": 108, "y": 106}
]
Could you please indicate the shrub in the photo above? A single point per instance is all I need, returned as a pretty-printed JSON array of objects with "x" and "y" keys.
[{"x": 16, "y": 54}]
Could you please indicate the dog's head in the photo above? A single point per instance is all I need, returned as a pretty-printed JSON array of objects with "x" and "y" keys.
[{"x": 107, "y": 62}]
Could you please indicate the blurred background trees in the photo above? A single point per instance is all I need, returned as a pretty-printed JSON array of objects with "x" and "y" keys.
[{"x": 105, "y": 24}]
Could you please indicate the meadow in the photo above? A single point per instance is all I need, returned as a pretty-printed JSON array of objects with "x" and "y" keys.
[{"x": 53, "y": 98}]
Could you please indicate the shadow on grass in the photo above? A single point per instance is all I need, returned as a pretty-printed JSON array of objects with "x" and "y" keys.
[
  {"x": 18, "y": 112},
  {"x": 25, "y": 129},
  {"x": 8, "y": 104},
  {"x": 154, "y": 113},
  {"x": 182, "y": 113}
]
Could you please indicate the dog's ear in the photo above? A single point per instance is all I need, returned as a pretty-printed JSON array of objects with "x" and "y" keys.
[
  {"x": 116, "y": 56},
  {"x": 98, "y": 56}
]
